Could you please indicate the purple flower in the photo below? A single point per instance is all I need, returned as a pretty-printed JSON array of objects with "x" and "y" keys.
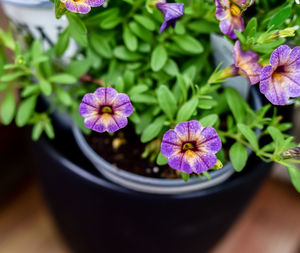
[
  {"x": 230, "y": 16},
  {"x": 105, "y": 110},
  {"x": 246, "y": 63},
  {"x": 281, "y": 79},
  {"x": 191, "y": 148},
  {"x": 81, "y": 6},
  {"x": 171, "y": 12}
]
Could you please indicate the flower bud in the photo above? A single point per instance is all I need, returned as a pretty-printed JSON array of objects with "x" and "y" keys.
[{"x": 291, "y": 153}]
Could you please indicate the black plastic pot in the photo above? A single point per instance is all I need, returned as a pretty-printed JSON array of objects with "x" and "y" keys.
[
  {"x": 14, "y": 157},
  {"x": 96, "y": 215}
]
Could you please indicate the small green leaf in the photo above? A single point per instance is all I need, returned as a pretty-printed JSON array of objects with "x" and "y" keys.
[
  {"x": 238, "y": 156},
  {"x": 63, "y": 79},
  {"x": 185, "y": 176},
  {"x": 249, "y": 134},
  {"x": 159, "y": 58},
  {"x": 45, "y": 87},
  {"x": 187, "y": 110},
  {"x": 153, "y": 129},
  {"x": 161, "y": 160},
  {"x": 49, "y": 130},
  {"x": 138, "y": 89},
  {"x": 251, "y": 27},
  {"x": 30, "y": 90},
  {"x": 141, "y": 32},
  {"x": 280, "y": 17},
  {"x": 235, "y": 103},
  {"x": 294, "y": 174},
  {"x": 171, "y": 68},
  {"x": 143, "y": 99},
  {"x": 62, "y": 43},
  {"x": 8, "y": 108},
  {"x": 209, "y": 120},
  {"x": 11, "y": 76},
  {"x": 124, "y": 54},
  {"x": 63, "y": 96},
  {"x": 77, "y": 30},
  {"x": 37, "y": 131},
  {"x": 25, "y": 110},
  {"x": 167, "y": 101},
  {"x": 60, "y": 8},
  {"x": 145, "y": 21},
  {"x": 188, "y": 44},
  {"x": 130, "y": 40},
  {"x": 101, "y": 46},
  {"x": 277, "y": 137}
]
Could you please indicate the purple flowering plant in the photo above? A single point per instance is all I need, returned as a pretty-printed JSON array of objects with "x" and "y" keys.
[{"x": 147, "y": 65}]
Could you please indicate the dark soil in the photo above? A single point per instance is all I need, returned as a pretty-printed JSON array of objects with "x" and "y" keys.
[{"x": 124, "y": 150}]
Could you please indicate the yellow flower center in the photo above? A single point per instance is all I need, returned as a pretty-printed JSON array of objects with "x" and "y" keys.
[
  {"x": 235, "y": 10},
  {"x": 106, "y": 109},
  {"x": 188, "y": 146}
]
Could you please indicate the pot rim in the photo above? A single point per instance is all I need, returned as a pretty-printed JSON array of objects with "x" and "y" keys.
[{"x": 154, "y": 185}]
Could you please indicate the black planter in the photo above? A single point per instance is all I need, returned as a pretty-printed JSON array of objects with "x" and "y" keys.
[
  {"x": 96, "y": 215},
  {"x": 14, "y": 157}
]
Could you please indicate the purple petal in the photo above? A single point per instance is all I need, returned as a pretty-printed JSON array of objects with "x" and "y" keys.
[
  {"x": 171, "y": 12},
  {"x": 86, "y": 110},
  {"x": 272, "y": 88},
  {"x": 94, "y": 3},
  {"x": 91, "y": 100},
  {"x": 93, "y": 122},
  {"x": 293, "y": 63},
  {"x": 116, "y": 123},
  {"x": 180, "y": 162},
  {"x": 122, "y": 105},
  {"x": 171, "y": 144},
  {"x": 222, "y": 12},
  {"x": 203, "y": 162},
  {"x": 228, "y": 25},
  {"x": 247, "y": 63},
  {"x": 210, "y": 141},
  {"x": 188, "y": 130},
  {"x": 106, "y": 96},
  {"x": 280, "y": 56},
  {"x": 78, "y": 7}
]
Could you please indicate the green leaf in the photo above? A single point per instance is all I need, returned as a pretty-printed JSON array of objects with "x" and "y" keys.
[
  {"x": 79, "y": 67},
  {"x": 30, "y": 90},
  {"x": 294, "y": 174},
  {"x": 119, "y": 85},
  {"x": 167, "y": 101},
  {"x": 124, "y": 54},
  {"x": 36, "y": 50},
  {"x": 161, "y": 160},
  {"x": 249, "y": 134},
  {"x": 94, "y": 20},
  {"x": 77, "y": 30},
  {"x": 63, "y": 96},
  {"x": 238, "y": 156},
  {"x": 277, "y": 137},
  {"x": 235, "y": 103},
  {"x": 25, "y": 110},
  {"x": 62, "y": 43},
  {"x": 251, "y": 28},
  {"x": 49, "y": 130},
  {"x": 37, "y": 131},
  {"x": 159, "y": 58},
  {"x": 171, "y": 68},
  {"x": 152, "y": 130},
  {"x": 45, "y": 87},
  {"x": 188, "y": 44},
  {"x": 280, "y": 17},
  {"x": 60, "y": 8},
  {"x": 130, "y": 40},
  {"x": 8, "y": 108},
  {"x": 203, "y": 27},
  {"x": 143, "y": 99},
  {"x": 63, "y": 79},
  {"x": 110, "y": 22},
  {"x": 141, "y": 32},
  {"x": 183, "y": 85},
  {"x": 145, "y": 21},
  {"x": 138, "y": 89},
  {"x": 209, "y": 120},
  {"x": 101, "y": 46},
  {"x": 11, "y": 76},
  {"x": 187, "y": 110},
  {"x": 185, "y": 176}
]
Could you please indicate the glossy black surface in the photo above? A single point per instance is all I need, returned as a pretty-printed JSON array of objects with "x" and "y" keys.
[{"x": 95, "y": 215}]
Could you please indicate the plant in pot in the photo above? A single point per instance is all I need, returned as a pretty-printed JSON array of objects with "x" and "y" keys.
[{"x": 157, "y": 122}]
